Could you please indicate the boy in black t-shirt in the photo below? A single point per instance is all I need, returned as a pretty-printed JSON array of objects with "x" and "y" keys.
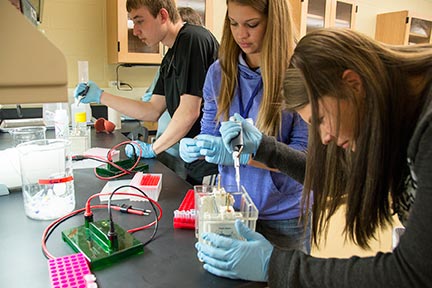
[{"x": 192, "y": 49}]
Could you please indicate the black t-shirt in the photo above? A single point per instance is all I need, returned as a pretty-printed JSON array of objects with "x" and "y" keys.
[{"x": 184, "y": 67}]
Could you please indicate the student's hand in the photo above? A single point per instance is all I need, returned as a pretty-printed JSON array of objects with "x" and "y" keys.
[
  {"x": 189, "y": 151},
  {"x": 93, "y": 94},
  {"x": 237, "y": 259},
  {"x": 146, "y": 150},
  {"x": 214, "y": 151},
  {"x": 251, "y": 135}
]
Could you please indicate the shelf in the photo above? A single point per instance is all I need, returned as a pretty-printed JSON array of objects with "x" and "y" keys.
[
  {"x": 314, "y": 22},
  {"x": 315, "y": 17},
  {"x": 342, "y": 23},
  {"x": 420, "y": 36},
  {"x": 418, "y": 39}
]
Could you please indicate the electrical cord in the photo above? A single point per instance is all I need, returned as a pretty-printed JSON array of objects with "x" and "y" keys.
[
  {"x": 109, "y": 161},
  {"x": 152, "y": 203},
  {"x": 87, "y": 211},
  {"x": 118, "y": 83},
  {"x": 129, "y": 87}
]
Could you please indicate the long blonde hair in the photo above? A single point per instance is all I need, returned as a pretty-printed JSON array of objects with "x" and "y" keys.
[{"x": 277, "y": 48}]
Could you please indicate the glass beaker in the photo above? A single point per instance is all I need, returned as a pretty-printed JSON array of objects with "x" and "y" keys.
[
  {"x": 47, "y": 178},
  {"x": 25, "y": 134}
]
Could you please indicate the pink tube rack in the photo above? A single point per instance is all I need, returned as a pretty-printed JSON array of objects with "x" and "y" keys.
[{"x": 68, "y": 271}]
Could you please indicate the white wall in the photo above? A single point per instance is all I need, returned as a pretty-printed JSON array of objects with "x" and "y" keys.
[
  {"x": 78, "y": 28},
  {"x": 365, "y": 18},
  {"x": 368, "y": 9}
]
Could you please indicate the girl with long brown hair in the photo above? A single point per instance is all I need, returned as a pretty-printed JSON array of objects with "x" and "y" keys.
[{"x": 370, "y": 111}]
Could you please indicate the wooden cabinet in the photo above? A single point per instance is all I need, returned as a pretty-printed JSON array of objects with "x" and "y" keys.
[
  {"x": 309, "y": 15},
  {"x": 124, "y": 47},
  {"x": 403, "y": 28},
  {"x": 203, "y": 7}
]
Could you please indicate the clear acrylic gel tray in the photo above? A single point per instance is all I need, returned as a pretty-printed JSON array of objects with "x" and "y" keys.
[{"x": 217, "y": 209}]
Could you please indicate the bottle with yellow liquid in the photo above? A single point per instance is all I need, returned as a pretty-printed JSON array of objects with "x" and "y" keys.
[
  {"x": 80, "y": 134},
  {"x": 77, "y": 107}
]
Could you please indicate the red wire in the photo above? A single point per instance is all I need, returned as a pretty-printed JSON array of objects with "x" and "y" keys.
[
  {"x": 88, "y": 209},
  {"x": 108, "y": 161}
]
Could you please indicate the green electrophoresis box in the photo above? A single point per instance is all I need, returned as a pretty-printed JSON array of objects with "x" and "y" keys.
[
  {"x": 93, "y": 242},
  {"x": 109, "y": 170}
]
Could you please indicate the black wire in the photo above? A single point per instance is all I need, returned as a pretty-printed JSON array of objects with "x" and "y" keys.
[
  {"x": 151, "y": 203},
  {"x": 135, "y": 155},
  {"x": 82, "y": 157}
]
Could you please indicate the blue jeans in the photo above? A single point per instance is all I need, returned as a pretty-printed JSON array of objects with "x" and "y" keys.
[{"x": 290, "y": 234}]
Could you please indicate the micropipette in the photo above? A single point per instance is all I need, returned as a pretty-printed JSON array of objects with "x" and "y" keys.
[
  {"x": 83, "y": 94},
  {"x": 236, "y": 158},
  {"x": 237, "y": 146}
]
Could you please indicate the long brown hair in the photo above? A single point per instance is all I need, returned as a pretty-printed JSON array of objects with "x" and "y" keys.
[
  {"x": 370, "y": 179},
  {"x": 278, "y": 44}
]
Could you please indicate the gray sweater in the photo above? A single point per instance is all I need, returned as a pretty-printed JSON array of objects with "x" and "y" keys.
[
  {"x": 278, "y": 155},
  {"x": 410, "y": 263}
]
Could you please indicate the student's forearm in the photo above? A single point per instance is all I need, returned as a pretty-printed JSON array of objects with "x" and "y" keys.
[
  {"x": 173, "y": 134},
  {"x": 280, "y": 156},
  {"x": 261, "y": 165},
  {"x": 144, "y": 111},
  {"x": 182, "y": 121}
]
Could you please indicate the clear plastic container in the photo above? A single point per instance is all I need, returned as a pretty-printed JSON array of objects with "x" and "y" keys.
[
  {"x": 49, "y": 112},
  {"x": 61, "y": 124},
  {"x": 29, "y": 133},
  {"x": 217, "y": 209},
  {"x": 47, "y": 178},
  {"x": 80, "y": 135}
]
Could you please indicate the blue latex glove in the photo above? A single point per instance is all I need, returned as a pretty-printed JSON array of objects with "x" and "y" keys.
[
  {"x": 93, "y": 94},
  {"x": 189, "y": 151},
  {"x": 146, "y": 150},
  {"x": 214, "y": 151},
  {"x": 237, "y": 259},
  {"x": 251, "y": 135}
]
